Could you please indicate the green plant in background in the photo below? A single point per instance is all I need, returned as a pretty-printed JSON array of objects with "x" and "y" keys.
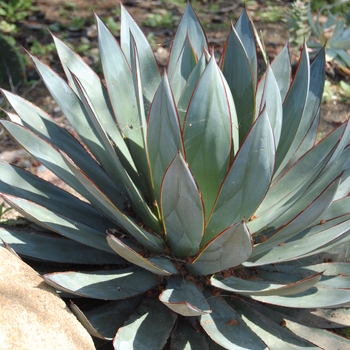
[
  {"x": 334, "y": 34},
  {"x": 6, "y": 27},
  {"x": 16, "y": 10},
  {"x": 113, "y": 26},
  {"x": 76, "y": 23},
  {"x": 38, "y": 49},
  {"x": 328, "y": 92},
  {"x": 162, "y": 18},
  {"x": 296, "y": 19},
  {"x": 273, "y": 13},
  {"x": 344, "y": 90},
  {"x": 151, "y": 38},
  {"x": 13, "y": 11},
  {"x": 205, "y": 194}
]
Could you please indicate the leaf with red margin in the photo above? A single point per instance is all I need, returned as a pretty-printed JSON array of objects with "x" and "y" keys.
[
  {"x": 262, "y": 287},
  {"x": 208, "y": 133},
  {"x": 183, "y": 69},
  {"x": 182, "y": 209},
  {"x": 189, "y": 24},
  {"x": 149, "y": 69},
  {"x": 157, "y": 265},
  {"x": 184, "y": 297},
  {"x": 164, "y": 137},
  {"x": 239, "y": 76},
  {"x": 247, "y": 180},
  {"x": 102, "y": 284},
  {"x": 230, "y": 248},
  {"x": 147, "y": 328},
  {"x": 246, "y": 34},
  {"x": 104, "y": 321}
]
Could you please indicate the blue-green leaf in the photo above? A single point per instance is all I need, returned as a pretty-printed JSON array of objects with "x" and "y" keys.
[
  {"x": 262, "y": 321},
  {"x": 164, "y": 134},
  {"x": 64, "y": 225},
  {"x": 142, "y": 159},
  {"x": 18, "y": 182},
  {"x": 149, "y": 69},
  {"x": 72, "y": 108},
  {"x": 49, "y": 156},
  {"x": 226, "y": 327},
  {"x": 240, "y": 78},
  {"x": 293, "y": 109},
  {"x": 185, "y": 337},
  {"x": 182, "y": 209},
  {"x": 147, "y": 328},
  {"x": 184, "y": 297},
  {"x": 120, "y": 85},
  {"x": 247, "y": 180},
  {"x": 284, "y": 191},
  {"x": 228, "y": 249},
  {"x": 208, "y": 134},
  {"x": 307, "y": 144},
  {"x": 116, "y": 170},
  {"x": 315, "y": 297},
  {"x": 189, "y": 88},
  {"x": 299, "y": 217},
  {"x": 46, "y": 127},
  {"x": 104, "y": 321},
  {"x": 190, "y": 25},
  {"x": 97, "y": 93},
  {"x": 106, "y": 285},
  {"x": 262, "y": 287},
  {"x": 282, "y": 71},
  {"x": 284, "y": 211},
  {"x": 246, "y": 34},
  {"x": 101, "y": 200},
  {"x": 157, "y": 265},
  {"x": 50, "y": 247},
  {"x": 313, "y": 101},
  {"x": 299, "y": 248},
  {"x": 322, "y": 338},
  {"x": 183, "y": 69},
  {"x": 271, "y": 98}
]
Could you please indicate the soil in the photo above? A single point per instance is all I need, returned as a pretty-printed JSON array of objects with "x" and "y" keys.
[{"x": 215, "y": 16}]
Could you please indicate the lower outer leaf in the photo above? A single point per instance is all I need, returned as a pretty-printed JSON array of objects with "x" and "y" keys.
[
  {"x": 105, "y": 285},
  {"x": 315, "y": 297},
  {"x": 157, "y": 265},
  {"x": 184, "y": 337},
  {"x": 320, "y": 337},
  {"x": 50, "y": 247},
  {"x": 273, "y": 334},
  {"x": 147, "y": 328},
  {"x": 104, "y": 321},
  {"x": 262, "y": 287},
  {"x": 314, "y": 208},
  {"x": 65, "y": 226},
  {"x": 229, "y": 249},
  {"x": 319, "y": 318},
  {"x": 226, "y": 327},
  {"x": 102, "y": 201},
  {"x": 184, "y": 297}
]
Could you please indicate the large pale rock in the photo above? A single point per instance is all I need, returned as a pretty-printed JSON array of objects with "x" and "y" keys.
[{"x": 32, "y": 315}]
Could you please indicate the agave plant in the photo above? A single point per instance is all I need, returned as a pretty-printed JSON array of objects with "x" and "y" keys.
[
  {"x": 334, "y": 34},
  {"x": 201, "y": 187}
]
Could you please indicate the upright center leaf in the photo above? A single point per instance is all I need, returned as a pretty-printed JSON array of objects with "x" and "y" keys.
[{"x": 207, "y": 133}]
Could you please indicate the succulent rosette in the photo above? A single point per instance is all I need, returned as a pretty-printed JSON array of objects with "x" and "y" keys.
[{"x": 202, "y": 188}]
